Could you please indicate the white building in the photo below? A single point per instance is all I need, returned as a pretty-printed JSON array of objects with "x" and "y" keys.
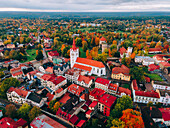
[{"x": 87, "y": 65}]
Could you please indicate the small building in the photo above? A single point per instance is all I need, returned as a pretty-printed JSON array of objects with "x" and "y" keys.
[
  {"x": 10, "y": 46},
  {"x": 166, "y": 115},
  {"x": 52, "y": 54},
  {"x": 164, "y": 65},
  {"x": 102, "y": 83},
  {"x": 95, "y": 94},
  {"x": 154, "y": 50},
  {"x": 84, "y": 81}
]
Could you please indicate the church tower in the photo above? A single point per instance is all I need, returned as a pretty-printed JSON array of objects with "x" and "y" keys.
[{"x": 74, "y": 53}]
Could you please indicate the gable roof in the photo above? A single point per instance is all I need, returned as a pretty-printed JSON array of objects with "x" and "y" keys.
[
  {"x": 102, "y": 39},
  {"x": 85, "y": 79},
  {"x": 90, "y": 62},
  {"x": 107, "y": 100},
  {"x": 82, "y": 67},
  {"x": 97, "y": 93},
  {"x": 124, "y": 90},
  {"x": 123, "y": 69},
  {"x": 113, "y": 86},
  {"x": 165, "y": 113},
  {"x": 20, "y": 92},
  {"x": 122, "y": 50},
  {"x": 147, "y": 94},
  {"x": 103, "y": 81},
  {"x": 76, "y": 89}
]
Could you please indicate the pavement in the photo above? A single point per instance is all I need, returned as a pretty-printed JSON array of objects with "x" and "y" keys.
[{"x": 44, "y": 54}]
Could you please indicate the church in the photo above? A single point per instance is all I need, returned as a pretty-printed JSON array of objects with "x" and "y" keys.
[{"x": 88, "y": 66}]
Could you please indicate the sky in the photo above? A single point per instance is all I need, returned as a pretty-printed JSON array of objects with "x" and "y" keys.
[{"x": 85, "y": 5}]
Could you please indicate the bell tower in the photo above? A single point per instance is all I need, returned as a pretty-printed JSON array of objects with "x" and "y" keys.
[{"x": 74, "y": 53}]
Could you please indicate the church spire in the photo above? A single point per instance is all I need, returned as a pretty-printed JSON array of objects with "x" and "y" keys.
[{"x": 74, "y": 44}]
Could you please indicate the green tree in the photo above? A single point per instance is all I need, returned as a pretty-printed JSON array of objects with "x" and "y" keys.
[
  {"x": 6, "y": 84},
  {"x": 150, "y": 104},
  {"x": 11, "y": 111},
  {"x": 137, "y": 73},
  {"x": 2, "y": 74},
  {"x": 85, "y": 46},
  {"x": 6, "y": 53},
  {"x": 40, "y": 55},
  {"x": 94, "y": 122},
  {"x": 35, "y": 111},
  {"x": 24, "y": 110}
]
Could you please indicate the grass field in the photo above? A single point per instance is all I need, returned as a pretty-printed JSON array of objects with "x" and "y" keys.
[
  {"x": 82, "y": 53},
  {"x": 88, "y": 29},
  {"x": 31, "y": 55},
  {"x": 155, "y": 77}
]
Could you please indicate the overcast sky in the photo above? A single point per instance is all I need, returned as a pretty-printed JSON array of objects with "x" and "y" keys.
[{"x": 85, "y": 5}]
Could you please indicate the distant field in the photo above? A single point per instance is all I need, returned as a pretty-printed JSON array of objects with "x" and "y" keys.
[
  {"x": 88, "y": 29},
  {"x": 31, "y": 55},
  {"x": 155, "y": 77}
]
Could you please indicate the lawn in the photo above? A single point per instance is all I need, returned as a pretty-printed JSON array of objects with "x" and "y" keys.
[
  {"x": 31, "y": 55},
  {"x": 125, "y": 86},
  {"x": 88, "y": 29},
  {"x": 155, "y": 77},
  {"x": 82, "y": 53}
]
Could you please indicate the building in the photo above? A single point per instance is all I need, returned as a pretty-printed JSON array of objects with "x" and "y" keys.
[
  {"x": 121, "y": 73},
  {"x": 124, "y": 52},
  {"x": 102, "y": 83},
  {"x": 52, "y": 54},
  {"x": 95, "y": 94},
  {"x": 60, "y": 69},
  {"x": 7, "y": 122},
  {"x": 167, "y": 71},
  {"x": 113, "y": 88},
  {"x": 154, "y": 68},
  {"x": 164, "y": 65},
  {"x": 84, "y": 81},
  {"x": 10, "y": 46},
  {"x": 148, "y": 61},
  {"x": 139, "y": 59},
  {"x": 76, "y": 90},
  {"x": 87, "y": 65},
  {"x": 165, "y": 115},
  {"x": 123, "y": 91},
  {"x": 44, "y": 121},
  {"x": 154, "y": 50},
  {"x": 105, "y": 104},
  {"x": 17, "y": 95},
  {"x": 161, "y": 58}
]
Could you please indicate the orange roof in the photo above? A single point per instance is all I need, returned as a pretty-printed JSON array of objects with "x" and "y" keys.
[
  {"x": 20, "y": 92},
  {"x": 123, "y": 69},
  {"x": 76, "y": 89},
  {"x": 103, "y": 39},
  {"x": 49, "y": 69},
  {"x": 82, "y": 67},
  {"x": 113, "y": 86},
  {"x": 122, "y": 50},
  {"x": 124, "y": 90},
  {"x": 50, "y": 96},
  {"x": 17, "y": 73},
  {"x": 90, "y": 62},
  {"x": 85, "y": 79},
  {"x": 165, "y": 64}
]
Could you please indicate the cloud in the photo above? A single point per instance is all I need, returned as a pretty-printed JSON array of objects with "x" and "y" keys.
[{"x": 85, "y": 5}]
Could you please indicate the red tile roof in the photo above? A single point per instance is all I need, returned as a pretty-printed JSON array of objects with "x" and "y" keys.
[
  {"x": 135, "y": 86},
  {"x": 113, "y": 86},
  {"x": 57, "y": 80},
  {"x": 148, "y": 80},
  {"x": 81, "y": 123},
  {"x": 44, "y": 121},
  {"x": 124, "y": 90},
  {"x": 7, "y": 122},
  {"x": 53, "y": 53},
  {"x": 153, "y": 67},
  {"x": 154, "y": 49},
  {"x": 82, "y": 67},
  {"x": 107, "y": 100},
  {"x": 90, "y": 62},
  {"x": 59, "y": 90},
  {"x": 122, "y": 50},
  {"x": 49, "y": 69},
  {"x": 47, "y": 76},
  {"x": 165, "y": 64},
  {"x": 123, "y": 69},
  {"x": 165, "y": 113},
  {"x": 76, "y": 89},
  {"x": 17, "y": 73},
  {"x": 93, "y": 104},
  {"x": 50, "y": 96},
  {"x": 65, "y": 98},
  {"x": 20, "y": 92},
  {"x": 89, "y": 112},
  {"x": 147, "y": 94},
  {"x": 103, "y": 39},
  {"x": 84, "y": 107},
  {"x": 73, "y": 119},
  {"x": 97, "y": 93},
  {"x": 85, "y": 79},
  {"x": 103, "y": 81}
]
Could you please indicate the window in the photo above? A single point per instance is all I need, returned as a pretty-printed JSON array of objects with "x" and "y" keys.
[
  {"x": 97, "y": 70},
  {"x": 101, "y": 71}
]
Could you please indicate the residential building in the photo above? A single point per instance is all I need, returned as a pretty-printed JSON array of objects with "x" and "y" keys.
[
  {"x": 76, "y": 90},
  {"x": 166, "y": 115},
  {"x": 121, "y": 73},
  {"x": 102, "y": 83},
  {"x": 60, "y": 69},
  {"x": 7, "y": 122},
  {"x": 44, "y": 121},
  {"x": 154, "y": 68},
  {"x": 154, "y": 50},
  {"x": 10, "y": 46},
  {"x": 123, "y": 91},
  {"x": 164, "y": 65},
  {"x": 84, "y": 81},
  {"x": 106, "y": 103},
  {"x": 139, "y": 59},
  {"x": 124, "y": 52},
  {"x": 95, "y": 94},
  {"x": 52, "y": 54}
]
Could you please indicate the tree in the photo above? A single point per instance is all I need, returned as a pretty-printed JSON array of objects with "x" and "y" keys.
[
  {"x": 35, "y": 111},
  {"x": 94, "y": 122},
  {"x": 150, "y": 104},
  {"x": 56, "y": 106},
  {"x": 2, "y": 74},
  {"x": 40, "y": 55},
  {"x": 85, "y": 45},
  {"x": 117, "y": 123},
  {"x": 24, "y": 110},
  {"x": 132, "y": 119},
  {"x": 6, "y": 53},
  {"x": 6, "y": 84},
  {"x": 51, "y": 104},
  {"x": 137, "y": 73},
  {"x": 11, "y": 111}
]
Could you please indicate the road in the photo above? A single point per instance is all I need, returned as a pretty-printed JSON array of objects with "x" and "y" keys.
[
  {"x": 44, "y": 54},
  {"x": 7, "y": 102}
]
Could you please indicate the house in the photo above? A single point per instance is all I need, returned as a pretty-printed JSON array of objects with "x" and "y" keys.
[
  {"x": 31, "y": 75},
  {"x": 102, "y": 41},
  {"x": 154, "y": 68},
  {"x": 44, "y": 68},
  {"x": 139, "y": 59},
  {"x": 112, "y": 89},
  {"x": 148, "y": 61},
  {"x": 10, "y": 46},
  {"x": 164, "y": 65},
  {"x": 102, "y": 83},
  {"x": 124, "y": 52},
  {"x": 73, "y": 74},
  {"x": 123, "y": 91},
  {"x": 35, "y": 99},
  {"x": 121, "y": 73},
  {"x": 87, "y": 65},
  {"x": 161, "y": 58},
  {"x": 164, "y": 97},
  {"x": 154, "y": 50},
  {"x": 76, "y": 90},
  {"x": 165, "y": 115},
  {"x": 84, "y": 81},
  {"x": 44, "y": 121},
  {"x": 17, "y": 95},
  {"x": 106, "y": 103},
  {"x": 95, "y": 94},
  {"x": 7, "y": 122},
  {"x": 52, "y": 54},
  {"x": 60, "y": 69}
]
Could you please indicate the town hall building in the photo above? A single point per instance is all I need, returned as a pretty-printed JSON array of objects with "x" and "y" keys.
[{"x": 87, "y": 65}]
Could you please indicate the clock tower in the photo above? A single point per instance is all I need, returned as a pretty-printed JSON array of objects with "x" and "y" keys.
[{"x": 74, "y": 53}]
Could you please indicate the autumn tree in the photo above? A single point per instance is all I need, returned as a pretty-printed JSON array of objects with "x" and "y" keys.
[
  {"x": 11, "y": 111},
  {"x": 56, "y": 106},
  {"x": 35, "y": 111},
  {"x": 24, "y": 110},
  {"x": 85, "y": 45},
  {"x": 39, "y": 55},
  {"x": 117, "y": 123}
]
